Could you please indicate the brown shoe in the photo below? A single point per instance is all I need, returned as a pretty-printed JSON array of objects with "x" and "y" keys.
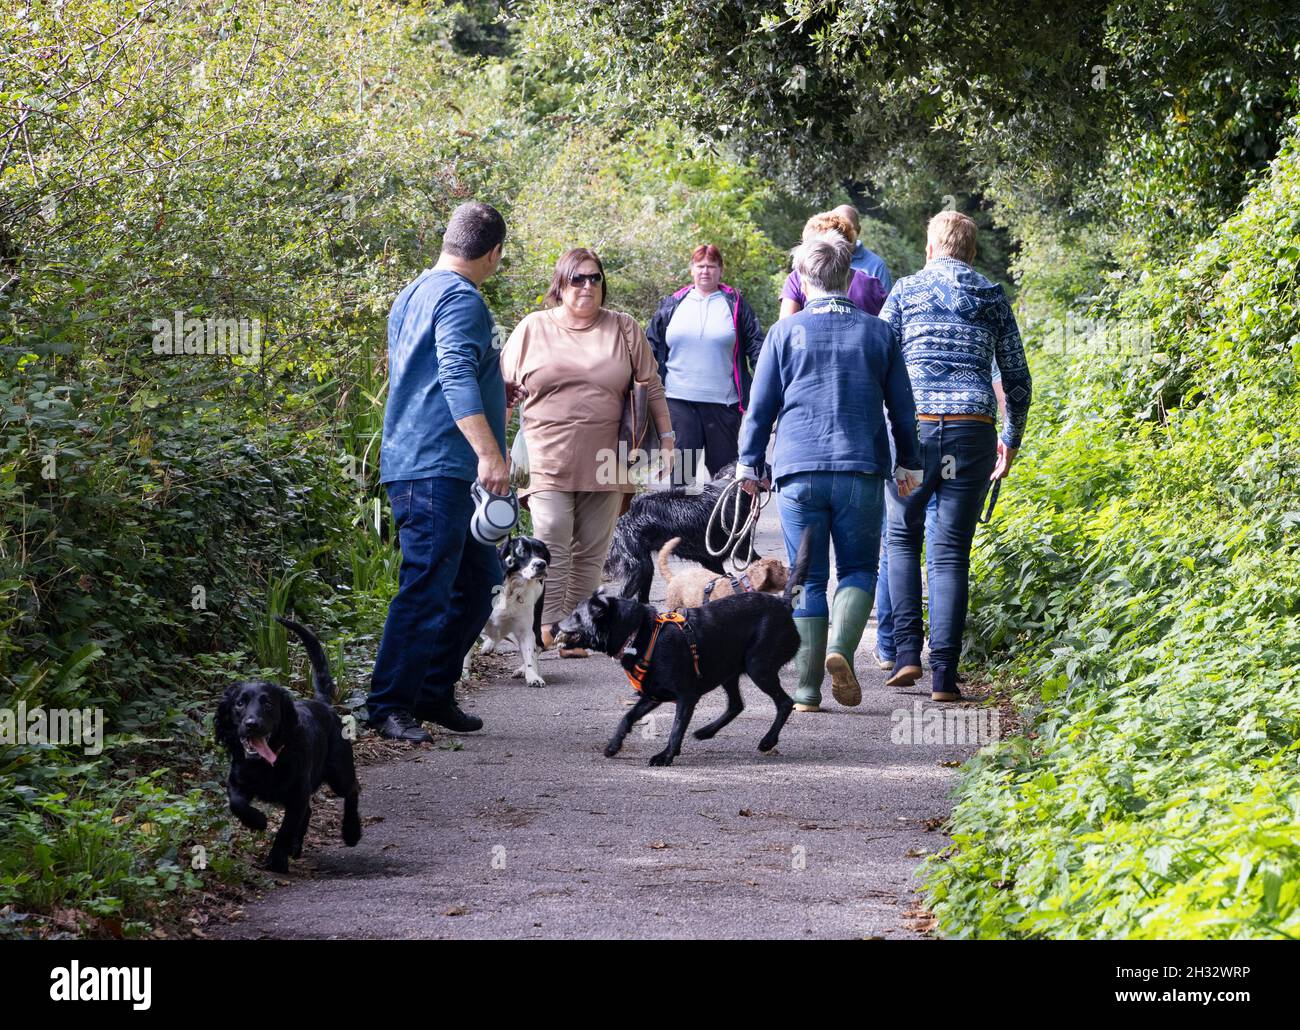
[
  {"x": 904, "y": 676},
  {"x": 942, "y": 690}
]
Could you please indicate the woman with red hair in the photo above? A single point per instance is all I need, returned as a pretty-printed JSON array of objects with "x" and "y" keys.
[{"x": 707, "y": 340}]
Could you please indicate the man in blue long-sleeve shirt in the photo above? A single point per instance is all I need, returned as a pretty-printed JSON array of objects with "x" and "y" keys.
[
  {"x": 444, "y": 426},
  {"x": 953, "y": 323}
]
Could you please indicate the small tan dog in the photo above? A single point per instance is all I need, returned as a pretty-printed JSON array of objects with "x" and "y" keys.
[{"x": 698, "y": 586}]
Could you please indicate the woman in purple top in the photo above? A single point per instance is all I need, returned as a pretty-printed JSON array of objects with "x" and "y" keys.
[{"x": 865, "y": 291}]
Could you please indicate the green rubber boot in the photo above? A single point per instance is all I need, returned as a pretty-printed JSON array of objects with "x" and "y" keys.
[
  {"x": 808, "y": 662},
  {"x": 849, "y": 614}
]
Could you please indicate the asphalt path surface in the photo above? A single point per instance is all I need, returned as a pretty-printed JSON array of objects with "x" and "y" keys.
[{"x": 526, "y": 830}]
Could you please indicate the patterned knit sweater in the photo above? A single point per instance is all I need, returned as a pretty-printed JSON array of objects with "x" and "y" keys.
[{"x": 952, "y": 324}]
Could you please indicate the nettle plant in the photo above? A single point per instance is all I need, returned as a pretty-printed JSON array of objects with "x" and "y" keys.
[{"x": 1141, "y": 590}]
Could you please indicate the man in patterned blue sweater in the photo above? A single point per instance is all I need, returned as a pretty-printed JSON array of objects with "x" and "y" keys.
[{"x": 952, "y": 323}]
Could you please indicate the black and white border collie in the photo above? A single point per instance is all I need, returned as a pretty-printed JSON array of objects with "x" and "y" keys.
[{"x": 525, "y": 560}]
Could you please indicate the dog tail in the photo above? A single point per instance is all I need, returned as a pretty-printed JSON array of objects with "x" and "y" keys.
[
  {"x": 665, "y": 553},
  {"x": 800, "y": 570},
  {"x": 321, "y": 677}
]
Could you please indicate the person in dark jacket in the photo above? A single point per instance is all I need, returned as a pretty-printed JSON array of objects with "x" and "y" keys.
[{"x": 706, "y": 338}]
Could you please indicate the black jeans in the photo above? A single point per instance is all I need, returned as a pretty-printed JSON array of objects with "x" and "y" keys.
[
  {"x": 710, "y": 433},
  {"x": 958, "y": 458}
]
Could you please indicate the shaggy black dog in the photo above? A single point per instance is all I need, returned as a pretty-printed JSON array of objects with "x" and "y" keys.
[
  {"x": 282, "y": 749},
  {"x": 747, "y": 633},
  {"x": 653, "y": 520}
]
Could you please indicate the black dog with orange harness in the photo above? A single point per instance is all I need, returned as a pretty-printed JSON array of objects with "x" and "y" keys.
[
  {"x": 681, "y": 656},
  {"x": 636, "y": 668}
]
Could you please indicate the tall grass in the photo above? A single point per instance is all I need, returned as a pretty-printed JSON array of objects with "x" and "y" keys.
[{"x": 270, "y": 639}]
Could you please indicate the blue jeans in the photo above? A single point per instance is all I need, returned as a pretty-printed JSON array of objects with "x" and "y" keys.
[
  {"x": 884, "y": 607},
  {"x": 444, "y": 597},
  {"x": 957, "y": 460},
  {"x": 839, "y": 507}
]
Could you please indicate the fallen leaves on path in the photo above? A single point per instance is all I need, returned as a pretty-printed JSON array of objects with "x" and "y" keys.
[{"x": 920, "y": 919}]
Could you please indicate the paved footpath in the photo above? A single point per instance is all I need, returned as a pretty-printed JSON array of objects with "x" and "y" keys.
[{"x": 527, "y": 830}]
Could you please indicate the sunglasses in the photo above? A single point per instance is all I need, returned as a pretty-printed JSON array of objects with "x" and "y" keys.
[{"x": 594, "y": 278}]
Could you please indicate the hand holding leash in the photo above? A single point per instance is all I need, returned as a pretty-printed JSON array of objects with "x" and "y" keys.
[
  {"x": 1006, "y": 456},
  {"x": 737, "y": 529},
  {"x": 494, "y": 475},
  {"x": 906, "y": 480}
]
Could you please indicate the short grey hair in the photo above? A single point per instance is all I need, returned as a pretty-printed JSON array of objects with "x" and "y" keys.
[{"x": 823, "y": 263}]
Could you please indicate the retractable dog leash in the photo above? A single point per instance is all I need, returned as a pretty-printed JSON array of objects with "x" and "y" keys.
[
  {"x": 738, "y": 529},
  {"x": 494, "y": 516}
]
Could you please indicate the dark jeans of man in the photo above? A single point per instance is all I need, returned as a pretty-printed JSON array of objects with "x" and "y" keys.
[
  {"x": 443, "y": 601},
  {"x": 884, "y": 606},
  {"x": 709, "y": 430},
  {"x": 957, "y": 460}
]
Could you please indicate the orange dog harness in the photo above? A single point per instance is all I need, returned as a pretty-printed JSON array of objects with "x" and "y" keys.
[{"x": 637, "y": 673}]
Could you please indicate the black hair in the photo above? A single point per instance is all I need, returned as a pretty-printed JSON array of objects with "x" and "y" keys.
[{"x": 473, "y": 230}]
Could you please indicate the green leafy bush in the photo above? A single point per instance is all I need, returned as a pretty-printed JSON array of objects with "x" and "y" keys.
[{"x": 1141, "y": 585}]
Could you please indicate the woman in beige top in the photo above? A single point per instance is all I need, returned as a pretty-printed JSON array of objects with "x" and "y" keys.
[{"x": 576, "y": 359}]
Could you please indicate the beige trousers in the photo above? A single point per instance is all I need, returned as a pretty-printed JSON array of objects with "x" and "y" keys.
[{"x": 577, "y": 528}]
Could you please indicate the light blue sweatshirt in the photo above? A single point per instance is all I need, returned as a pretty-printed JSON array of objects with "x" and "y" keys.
[{"x": 701, "y": 337}]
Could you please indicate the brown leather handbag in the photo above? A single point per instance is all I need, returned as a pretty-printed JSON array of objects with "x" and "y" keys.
[{"x": 636, "y": 430}]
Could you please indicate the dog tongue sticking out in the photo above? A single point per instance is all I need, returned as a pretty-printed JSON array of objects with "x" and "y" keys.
[{"x": 260, "y": 745}]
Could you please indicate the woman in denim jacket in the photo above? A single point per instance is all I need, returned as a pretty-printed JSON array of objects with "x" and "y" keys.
[{"x": 829, "y": 373}]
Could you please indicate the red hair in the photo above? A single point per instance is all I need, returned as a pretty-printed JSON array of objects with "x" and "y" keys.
[{"x": 706, "y": 252}]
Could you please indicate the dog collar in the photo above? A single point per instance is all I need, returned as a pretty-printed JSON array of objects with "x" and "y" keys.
[{"x": 631, "y": 667}]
